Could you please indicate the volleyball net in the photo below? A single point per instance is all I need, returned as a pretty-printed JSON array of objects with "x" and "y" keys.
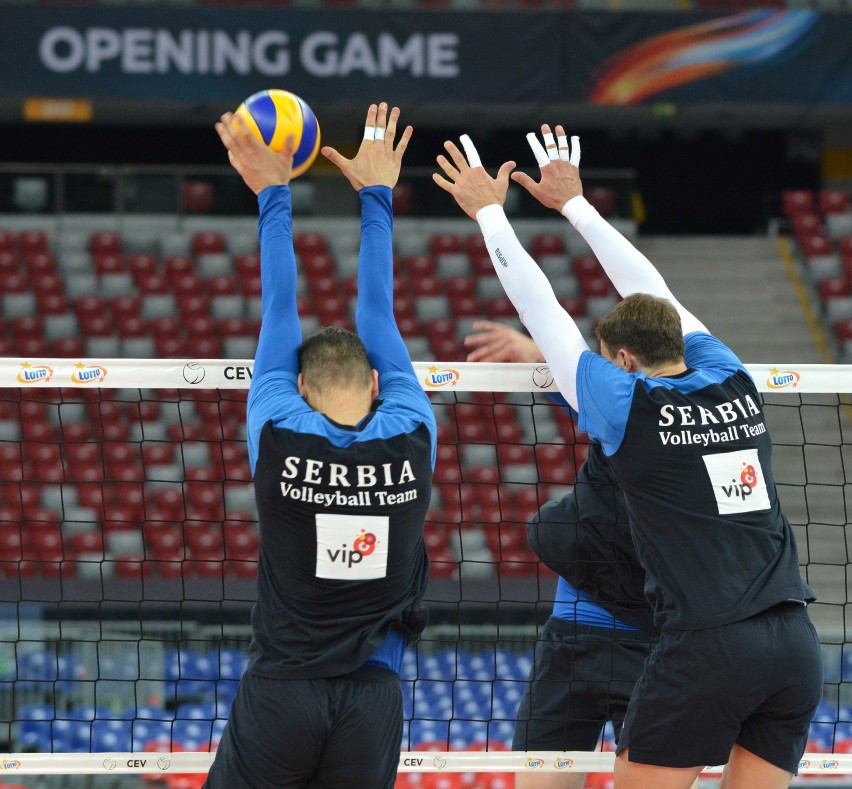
[{"x": 129, "y": 555}]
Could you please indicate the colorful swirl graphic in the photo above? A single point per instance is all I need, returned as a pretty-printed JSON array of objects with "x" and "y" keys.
[{"x": 697, "y": 52}]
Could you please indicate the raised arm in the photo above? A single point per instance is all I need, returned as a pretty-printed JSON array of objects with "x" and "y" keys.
[
  {"x": 561, "y": 189},
  {"x": 481, "y": 198},
  {"x": 267, "y": 174},
  {"x": 373, "y": 173}
]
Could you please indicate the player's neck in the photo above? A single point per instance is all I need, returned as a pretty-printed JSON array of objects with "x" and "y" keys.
[
  {"x": 666, "y": 370},
  {"x": 346, "y": 406}
]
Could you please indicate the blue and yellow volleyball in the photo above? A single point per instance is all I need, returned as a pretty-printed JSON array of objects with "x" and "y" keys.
[{"x": 273, "y": 114}]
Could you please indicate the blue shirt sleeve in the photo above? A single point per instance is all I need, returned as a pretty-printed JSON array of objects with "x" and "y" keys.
[
  {"x": 703, "y": 351},
  {"x": 374, "y": 318},
  {"x": 274, "y": 387},
  {"x": 280, "y": 330},
  {"x": 604, "y": 393}
]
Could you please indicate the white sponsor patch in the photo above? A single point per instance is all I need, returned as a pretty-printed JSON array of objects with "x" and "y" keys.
[
  {"x": 738, "y": 481},
  {"x": 352, "y": 547}
]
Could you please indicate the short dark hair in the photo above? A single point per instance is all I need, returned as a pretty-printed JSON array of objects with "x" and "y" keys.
[
  {"x": 333, "y": 357},
  {"x": 647, "y": 326}
]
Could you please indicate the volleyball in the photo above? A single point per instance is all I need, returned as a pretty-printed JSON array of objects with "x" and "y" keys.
[{"x": 273, "y": 114}]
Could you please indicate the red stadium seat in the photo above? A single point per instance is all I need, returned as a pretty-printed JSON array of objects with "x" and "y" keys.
[
  {"x": 833, "y": 201},
  {"x": 197, "y": 196},
  {"x": 555, "y": 464},
  {"x": 417, "y": 266},
  {"x": 585, "y": 266},
  {"x": 603, "y": 198},
  {"x": 152, "y": 284},
  {"x": 805, "y": 225},
  {"x": 24, "y": 326},
  {"x": 40, "y": 262},
  {"x": 797, "y": 201},
  {"x": 816, "y": 245},
  {"x": 142, "y": 265},
  {"x": 105, "y": 243},
  {"x": 206, "y": 241},
  {"x": 14, "y": 283},
  {"x": 30, "y": 241},
  {"x": 441, "y": 243},
  {"x": 547, "y": 244},
  {"x": 221, "y": 286},
  {"x": 309, "y": 244},
  {"x": 833, "y": 287},
  {"x": 108, "y": 263},
  {"x": 175, "y": 266},
  {"x": 426, "y": 286},
  {"x": 9, "y": 262},
  {"x": 8, "y": 242},
  {"x": 247, "y": 265}
]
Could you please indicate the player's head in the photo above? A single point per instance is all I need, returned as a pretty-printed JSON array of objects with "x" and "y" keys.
[
  {"x": 334, "y": 358},
  {"x": 646, "y": 326}
]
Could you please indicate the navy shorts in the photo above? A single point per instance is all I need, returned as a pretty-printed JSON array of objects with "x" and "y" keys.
[
  {"x": 333, "y": 733},
  {"x": 756, "y": 683},
  {"x": 582, "y": 677}
]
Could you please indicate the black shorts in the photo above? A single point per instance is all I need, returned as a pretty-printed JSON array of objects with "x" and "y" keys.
[
  {"x": 332, "y": 733},
  {"x": 581, "y": 677},
  {"x": 756, "y": 683}
]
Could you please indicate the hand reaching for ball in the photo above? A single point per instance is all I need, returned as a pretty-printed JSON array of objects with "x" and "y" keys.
[{"x": 259, "y": 166}]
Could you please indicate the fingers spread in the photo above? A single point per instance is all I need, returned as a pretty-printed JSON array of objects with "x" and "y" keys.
[
  {"x": 448, "y": 168},
  {"x": 455, "y": 154}
]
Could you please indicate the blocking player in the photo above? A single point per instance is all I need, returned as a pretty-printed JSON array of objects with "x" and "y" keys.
[
  {"x": 737, "y": 673},
  {"x": 341, "y": 441},
  {"x": 592, "y": 648}
]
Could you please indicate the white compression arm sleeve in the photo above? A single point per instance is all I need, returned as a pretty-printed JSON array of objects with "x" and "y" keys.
[
  {"x": 628, "y": 269},
  {"x": 552, "y": 328}
]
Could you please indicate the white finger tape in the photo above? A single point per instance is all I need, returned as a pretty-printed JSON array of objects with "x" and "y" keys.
[
  {"x": 564, "y": 152},
  {"x": 470, "y": 152},
  {"x": 380, "y": 133},
  {"x": 575, "y": 151},
  {"x": 550, "y": 146},
  {"x": 369, "y": 132},
  {"x": 540, "y": 154}
]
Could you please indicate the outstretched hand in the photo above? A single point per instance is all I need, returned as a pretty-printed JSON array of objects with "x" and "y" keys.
[
  {"x": 467, "y": 181},
  {"x": 560, "y": 173},
  {"x": 259, "y": 166},
  {"x": 496, "y": 342},
  {"x": 377, "y": 162}
]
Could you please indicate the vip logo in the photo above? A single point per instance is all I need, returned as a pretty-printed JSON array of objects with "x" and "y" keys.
[
  {"x": 436, "y": 378},
  {"x": 341, "y": 557},
  {"x": 782, "y": 379},
  {"x": 738, "y": 481}
]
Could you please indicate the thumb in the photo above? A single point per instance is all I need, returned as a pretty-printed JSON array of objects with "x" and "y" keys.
[
  {"x": 505, "y": 169},
  {"x": 334, "y": 156},
  {"x": 526, "y": 181}
]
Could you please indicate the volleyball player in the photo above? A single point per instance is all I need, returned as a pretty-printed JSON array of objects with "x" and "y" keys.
[
  {"x": 737, "y": 673},
  {"x": 341, "y": 441},
  {"x": 592, "y": 648}
]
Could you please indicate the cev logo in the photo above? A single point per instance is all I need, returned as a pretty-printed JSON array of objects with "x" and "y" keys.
[
  {"x": 782, "y": 379},
  {"x": 437, "y": 378},
  {"x": 34, "y": 374},
  {"x": 535, "y": 764},
  {"x": 87, "y": 374},
  {"x": 563, "y": 764}
]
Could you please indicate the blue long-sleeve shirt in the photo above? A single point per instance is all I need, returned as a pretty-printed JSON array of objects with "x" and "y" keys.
[{"x": 274, "y": 400}]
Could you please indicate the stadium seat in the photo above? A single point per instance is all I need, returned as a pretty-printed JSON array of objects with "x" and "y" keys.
[
  {"x": 797, "y": 201},
  {"x": 309, "y": 244},
  {"x": 833, "y": 201},
  {"x": 207, "y": 241},
  {"x": 442, "y": 243},
  {"x": 547, "y": 244},
  {"x": 832, "y": 287},
  {"x": 603, "y": 198},
  {"x": 197, "y": 196}
]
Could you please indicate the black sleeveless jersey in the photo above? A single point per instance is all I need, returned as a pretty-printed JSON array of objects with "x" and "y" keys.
[
  {"x": 342, "y": 557},
  {"x": 696, "y": 469}
]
